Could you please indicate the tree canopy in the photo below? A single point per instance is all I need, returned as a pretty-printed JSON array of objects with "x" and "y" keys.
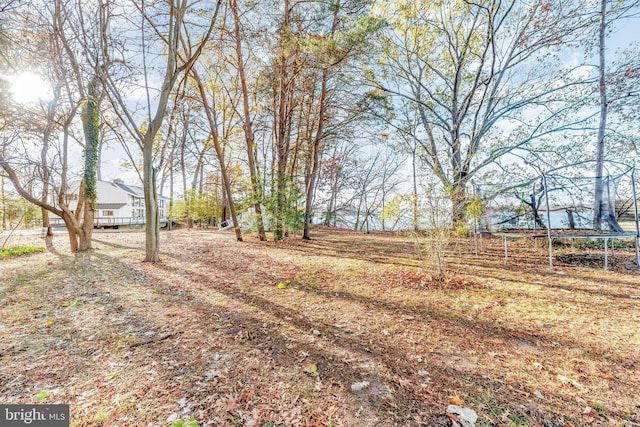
[{"x": 290, "y": 109}]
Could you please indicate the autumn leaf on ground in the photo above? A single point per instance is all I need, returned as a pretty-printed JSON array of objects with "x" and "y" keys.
[
  {"x": 455, "y": 400},
  {"x": 245, "y": 396},
  {"x": 228, "y": 404},
  {"x": 590, "y": 414}
]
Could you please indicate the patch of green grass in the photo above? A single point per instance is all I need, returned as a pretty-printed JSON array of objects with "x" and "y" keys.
[
  {"x": 100, "y": 418},
  {"x": 191, "y": 422},
  {"x": 42, "y": 396},
  {"x": 516, "y": 420},
  {"x": 20, "y": 250}
]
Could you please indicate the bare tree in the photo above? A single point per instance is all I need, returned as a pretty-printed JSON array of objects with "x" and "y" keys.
[
  {"x": 468, "y": 74},
  {"x": 213, "y": 124},
  {"x": 334, "y": 179},
  {"x": 376, "y": 177},
  {"x": 608, "y": 14},
  {"x": 168, "y": 25},
  {"x": 61, "y": 29}
]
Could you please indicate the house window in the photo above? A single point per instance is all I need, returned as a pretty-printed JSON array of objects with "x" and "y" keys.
[{"x": 107, "y": 213}]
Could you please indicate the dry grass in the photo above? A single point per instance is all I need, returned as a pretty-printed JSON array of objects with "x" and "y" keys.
[{"x": 275, "y": 334}]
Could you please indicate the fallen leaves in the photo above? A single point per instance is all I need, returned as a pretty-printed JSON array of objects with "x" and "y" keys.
[
  {"x": 307, "y": 331},
  {"x": 590, "y": 414},
  {"x": 455, "y": 400},
  {"x": 315, "y": 421}
]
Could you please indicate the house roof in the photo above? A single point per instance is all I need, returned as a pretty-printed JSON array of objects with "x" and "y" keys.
[
  {"x": 131, "y": 189},
  {"x": 134, "y": 190},
  {"x": 111, "y": 205}
]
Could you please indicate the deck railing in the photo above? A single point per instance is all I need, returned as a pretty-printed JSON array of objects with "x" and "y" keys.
[{"x": 108, "y": 221}]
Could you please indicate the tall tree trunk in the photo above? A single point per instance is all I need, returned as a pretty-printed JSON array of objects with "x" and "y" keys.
[
  {"x": 315, "y": 147},
  {"x": 315, "y": 155},
  {"x": 256, "y": 192},
  {"x": 327, "y": 217},
  {"x": 99, "y": 160},
  {"x": 196, "y": 180},
  {"x": 219, "y": 153},
  {"x": 571, "y": 219},
  {"x": 599, "y": 188},
  {"x": 44, "y": 162},
  {"x": 152, "y": 222},
  {"x": 170, "y": 221},
  {"x": 91, "y": 127},
  {"x": 281, "y": 196},
  {"x": 282, "y": 127},
  {"x": 3, "y": 202},
  {"x": 334, "y": 178},
  {"x": 458, "y": 197},
  {"x": 71, "y": 224},
  {"x": 185, "y": 192},
  {"x": 536, "y": 214},
  {"x": 357, "y": 223},
  {"x": 416, "y": 224}
]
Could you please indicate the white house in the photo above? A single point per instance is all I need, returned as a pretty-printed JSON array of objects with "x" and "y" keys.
[{"x": 119, "y": 204}]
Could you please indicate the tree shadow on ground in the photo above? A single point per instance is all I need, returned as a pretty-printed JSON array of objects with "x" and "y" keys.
[
  {"x": 457, "y": 324},
  {"x": 215, "y": 333}
]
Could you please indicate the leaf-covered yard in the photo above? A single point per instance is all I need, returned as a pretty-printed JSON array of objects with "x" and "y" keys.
[{"x": 344, "y": 330}]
